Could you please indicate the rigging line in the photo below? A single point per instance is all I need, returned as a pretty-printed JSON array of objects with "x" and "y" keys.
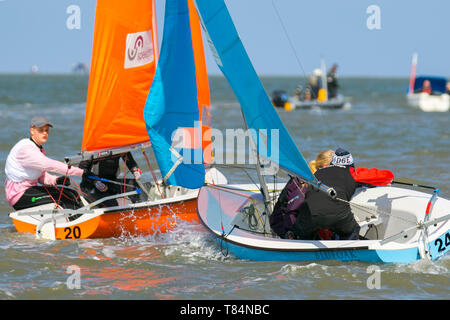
[
  {"x": 330, "y": 137},
  {"x": 288, "y": 38},
  {"x": 223, "y": 230},
  {"x": 155, "y": 179},
  {"x": 57, "y": 205},
  {"x": 63, "y": 184},
  {"x": 78, "y": 188},
  {"x": 233, "y": 166},
  {"x": 248, "y": 230},
  {"x": 236, "y": 191},
  {"x": 253, "y": 181}
]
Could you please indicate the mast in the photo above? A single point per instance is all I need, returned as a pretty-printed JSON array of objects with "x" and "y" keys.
[
  {"x": 262, "y": 181},
  {"x": 413, "y": 74}
]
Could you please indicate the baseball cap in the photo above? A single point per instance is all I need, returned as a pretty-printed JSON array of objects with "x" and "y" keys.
[{"x": 39, "y": 121}]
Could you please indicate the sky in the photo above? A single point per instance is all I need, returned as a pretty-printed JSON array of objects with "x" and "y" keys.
[{"x": 374, "y": 38}]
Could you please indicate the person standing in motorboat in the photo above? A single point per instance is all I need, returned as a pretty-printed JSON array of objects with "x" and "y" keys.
[
  {"x": 332, "y": 83},
  {"x": 28, "y": 181},
  {"x": 315, "y": 83},
  {"x": 426, "y": 87},
  {"x": 108, "y": 169}
]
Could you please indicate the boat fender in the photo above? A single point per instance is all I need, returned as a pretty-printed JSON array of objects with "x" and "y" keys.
[
  {"x": 288, "y": 106},
  {"x": 322, "y": 95}
]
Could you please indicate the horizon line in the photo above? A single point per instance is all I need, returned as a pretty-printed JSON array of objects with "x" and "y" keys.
[{"x": 40, "y": 73}]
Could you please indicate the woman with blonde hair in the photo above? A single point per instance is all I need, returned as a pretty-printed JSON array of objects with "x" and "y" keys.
[{"x": 323, "y": 159}]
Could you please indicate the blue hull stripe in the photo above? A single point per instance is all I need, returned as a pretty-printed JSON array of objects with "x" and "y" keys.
[{"x": 366, "y": 255}]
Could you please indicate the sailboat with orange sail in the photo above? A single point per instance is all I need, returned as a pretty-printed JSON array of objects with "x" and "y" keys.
[{"x": 137, "y": 99}]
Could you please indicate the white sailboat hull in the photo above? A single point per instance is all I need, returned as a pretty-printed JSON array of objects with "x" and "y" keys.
[
  {"x": 388, "y": 216},
  {"x": 429, "y": 103},
  {"x": 237, "y": 215}
]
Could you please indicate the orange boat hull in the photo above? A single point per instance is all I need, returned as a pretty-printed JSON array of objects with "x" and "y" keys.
[{"x": 138, "y": 222}]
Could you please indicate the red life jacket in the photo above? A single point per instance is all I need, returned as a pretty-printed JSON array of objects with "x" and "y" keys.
[
  {"x": 372, "y": 176},
  {"x": 426, "y": 90}
]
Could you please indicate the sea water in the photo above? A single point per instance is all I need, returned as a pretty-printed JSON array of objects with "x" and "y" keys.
[{"x": 379, "y": 129}]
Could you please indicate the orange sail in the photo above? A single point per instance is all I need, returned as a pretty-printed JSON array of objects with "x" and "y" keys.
[{"x": 124, "y": 58}]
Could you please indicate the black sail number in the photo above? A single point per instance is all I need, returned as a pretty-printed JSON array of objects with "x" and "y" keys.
[
  {"x": 72, "y": 233},
  {"x": 443, "y": 244}
]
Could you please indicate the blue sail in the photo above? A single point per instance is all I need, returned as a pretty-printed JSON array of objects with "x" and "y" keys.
[
  {"x": 258, "y": 110},
  {"x": 171, "y": 110}
]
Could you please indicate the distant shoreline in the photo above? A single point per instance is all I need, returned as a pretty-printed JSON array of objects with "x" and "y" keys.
[{"x": 265, "y": 76}]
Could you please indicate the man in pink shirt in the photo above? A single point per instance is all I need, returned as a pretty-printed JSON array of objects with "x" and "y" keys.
[{"x": 27, "y": 165}]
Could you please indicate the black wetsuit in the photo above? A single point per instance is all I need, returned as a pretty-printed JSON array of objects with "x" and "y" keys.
[
  {"x": 332, "y": 85},
  {"x": 320, "y": 211},
  {"x": 108, "y": 169},
  {"x": 37, "y": 195}
]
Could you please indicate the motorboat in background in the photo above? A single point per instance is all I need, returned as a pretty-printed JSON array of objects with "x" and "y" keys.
[
  {"x": 338, "y": 102},
  {"x": 316, "y": 93},
  {"x": 281, "y": 99},
  {"x": 436, "y": 101},
  {"x": 434, "y": 98}
]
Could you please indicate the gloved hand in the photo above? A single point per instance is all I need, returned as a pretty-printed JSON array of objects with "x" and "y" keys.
[
  {"x": 137, "y": 173},
  {"x": 86, "y": 165},
  {"x": 101, "y": 186},
  {"x": 85, "y": 175},
  {"x": 60, "y": 180}
]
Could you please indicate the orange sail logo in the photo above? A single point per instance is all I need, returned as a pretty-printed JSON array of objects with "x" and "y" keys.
[{"x": 139, "y": 49}]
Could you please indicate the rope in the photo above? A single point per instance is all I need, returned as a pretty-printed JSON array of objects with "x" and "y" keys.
[
  {"x": 153, "y": 173},
  {"x": 63, "y": 184},
  {"x": 69, "y": 198},
  {"x": 252, "y": 231},
  {"x": 57, "y": 205},
  {"x": 78, "y": 187},
  {"x": 289, "y": 39},
  {"x": 371, "y": 226},
  {"x": 223, "y": 236}
]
